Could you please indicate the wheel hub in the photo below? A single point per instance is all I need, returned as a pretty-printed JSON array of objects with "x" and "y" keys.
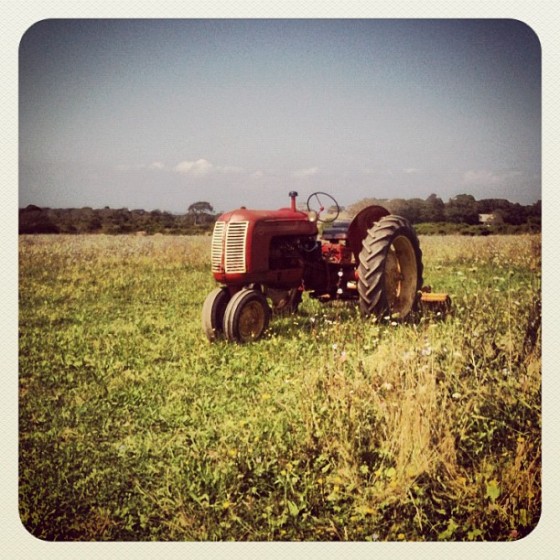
[{"x": 251, "y": 320}]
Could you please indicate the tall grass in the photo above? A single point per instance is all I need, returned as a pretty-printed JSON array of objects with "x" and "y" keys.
[{"x": 134, "y": 427}]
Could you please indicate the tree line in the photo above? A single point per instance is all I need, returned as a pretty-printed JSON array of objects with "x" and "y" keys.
[
  {"x": 461, "y": 209},
  {"x": 462, "y": 214},
  {"x": 199, "y": 218}
]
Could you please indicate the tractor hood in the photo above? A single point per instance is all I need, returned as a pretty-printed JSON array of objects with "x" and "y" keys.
[{"x": 248, "y": 215}]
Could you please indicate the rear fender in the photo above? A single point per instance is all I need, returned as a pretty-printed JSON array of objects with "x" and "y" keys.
[{"x": 362, "y": 222}]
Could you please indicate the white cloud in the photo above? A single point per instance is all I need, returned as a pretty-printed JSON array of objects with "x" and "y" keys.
[
  {"x": 199, "y": 167},
  {"x": 202, "y": 167},
  {"x": 307, "y": 172},
  {"x": 156, "y": 165},
  {"x": 411, "y": 170}
]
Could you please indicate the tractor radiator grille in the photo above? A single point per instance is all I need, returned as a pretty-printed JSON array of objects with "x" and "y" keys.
[
  {"x": 234, "y": 250},
  {"x": 217, "y": 245}
]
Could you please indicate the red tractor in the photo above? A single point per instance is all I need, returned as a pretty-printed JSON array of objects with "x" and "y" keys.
[{"x": 262, "y": 256}]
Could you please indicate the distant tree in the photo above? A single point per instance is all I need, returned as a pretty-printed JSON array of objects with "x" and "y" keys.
[
  {"x": 31, "y": 208},
  {"x": 462, "y": 209},
  {"x": 415, "y": 210},
  {"x": 515, "y": 214},
  {"x": 433, "y": 209},
  {"x": 197, "y": 209},
  {"x": 534, "y": 214},
  {"x": 397, "y": 206},
  {"x": 33, "y": 219},
  {"x": 83, "y": 220},
  {"x": 490, "y": 205},
  {"x": 353, "y": 209},
  {"x": 410, "y": 209}
]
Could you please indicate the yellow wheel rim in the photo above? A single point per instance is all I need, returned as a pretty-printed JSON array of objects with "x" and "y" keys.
[{"x": 401, "y": 276}]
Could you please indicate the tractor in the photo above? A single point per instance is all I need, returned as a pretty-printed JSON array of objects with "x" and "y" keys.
[{"x": 264, "y": 260}]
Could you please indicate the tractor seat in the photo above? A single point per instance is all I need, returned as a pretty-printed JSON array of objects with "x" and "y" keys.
[{"x": 338, "y": 231}]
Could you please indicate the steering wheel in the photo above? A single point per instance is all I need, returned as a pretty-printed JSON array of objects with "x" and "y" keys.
[{"x": 320, "y": 201}]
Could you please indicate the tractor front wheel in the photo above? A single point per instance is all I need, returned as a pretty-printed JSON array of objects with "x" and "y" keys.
[
  {"x": 213, "y": 311},
  {"x": 247, "y": 316},
  {"x": 390, "y": 269}
]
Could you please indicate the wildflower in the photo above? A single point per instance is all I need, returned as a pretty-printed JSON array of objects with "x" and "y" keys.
[{"x": 456, "y": 396}]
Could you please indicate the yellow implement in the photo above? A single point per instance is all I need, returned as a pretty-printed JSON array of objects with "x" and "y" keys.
[{"x": 435, "y": 302}]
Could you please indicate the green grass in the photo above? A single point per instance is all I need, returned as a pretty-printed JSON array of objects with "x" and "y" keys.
[{"x": 134, "y": 427}]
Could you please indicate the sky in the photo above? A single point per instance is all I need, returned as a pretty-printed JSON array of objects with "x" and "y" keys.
[{"x": 159, "y": 114}]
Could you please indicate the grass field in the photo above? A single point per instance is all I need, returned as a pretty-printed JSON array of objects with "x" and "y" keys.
[{"x": 134, "y": 427}]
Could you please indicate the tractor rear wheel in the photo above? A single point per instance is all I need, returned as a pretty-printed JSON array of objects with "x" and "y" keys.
[
  {"x": 247, "y": 316},
  {"x": 213, "y": 311},
  {"x": 390, "y": 269}
]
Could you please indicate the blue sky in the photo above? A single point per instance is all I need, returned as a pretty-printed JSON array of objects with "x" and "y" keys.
[{"x": 163, "y": 113}]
